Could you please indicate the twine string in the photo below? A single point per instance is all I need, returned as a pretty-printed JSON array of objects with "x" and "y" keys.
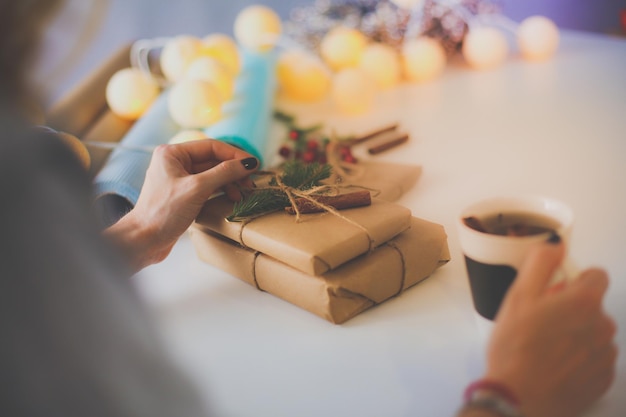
[
  {"x": 392, "y": 245},
  {"x": 308, "y": 195},
  {"x": 256, "y": 282},
  {"x": 403, "y": 263}
]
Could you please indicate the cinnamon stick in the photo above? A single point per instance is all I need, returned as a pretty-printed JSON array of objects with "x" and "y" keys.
[
  {"x": 372, "y": 135},
  {"x": 339, "y": 202},
  {"x": 388, "y": 145}
]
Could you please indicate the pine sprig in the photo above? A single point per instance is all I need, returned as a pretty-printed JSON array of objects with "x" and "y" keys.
[
  {"x": 259, "y": 202},
  {"x": 304, "y": 176},
  {"x": 296, "y": 174}
]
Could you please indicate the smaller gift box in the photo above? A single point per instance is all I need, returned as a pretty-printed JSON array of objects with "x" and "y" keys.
[
  {"x": 388, "y": 181},
  {"x": 319, "y": 242},
  {"x": 342, "y": 293}
]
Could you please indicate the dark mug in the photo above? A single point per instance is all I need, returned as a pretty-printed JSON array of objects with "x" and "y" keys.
[{"x": 496, "y": 235}]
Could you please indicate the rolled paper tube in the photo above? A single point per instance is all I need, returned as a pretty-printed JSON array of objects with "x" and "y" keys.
[
  {"x": 76, "y": 111},
  {"x": 247, "y": 116},
  {"x": 118, "y": 184}
]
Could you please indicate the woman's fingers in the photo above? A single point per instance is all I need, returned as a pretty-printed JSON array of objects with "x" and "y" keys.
[
  {"x": 591, "y": 283},
  {"x": 535, "y": 275},
  {"x": 206, "y": 150},
  {"x": 225, "y": 173}
]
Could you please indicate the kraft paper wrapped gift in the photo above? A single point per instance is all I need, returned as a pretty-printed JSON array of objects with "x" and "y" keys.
[
  {"x": 319, "y": 242},
  {"x": 342, "y": 293},
  {"x": 389, "y": 180}
]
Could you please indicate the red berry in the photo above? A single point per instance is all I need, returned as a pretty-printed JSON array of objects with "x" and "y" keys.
[
  {"x": 308, "y": 156},
  {"x": 349, "y": 159},
  {"x": 312, "y": 144},
  {"x": 294, "y": 134},
  {"x": 284, "y": 151},
  {"x": 345, "y": 151}
]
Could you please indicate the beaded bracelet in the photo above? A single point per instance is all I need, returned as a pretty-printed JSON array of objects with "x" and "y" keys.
[
  {"x": 493, "y": 396},
  {"x": 492, "y": 386}
]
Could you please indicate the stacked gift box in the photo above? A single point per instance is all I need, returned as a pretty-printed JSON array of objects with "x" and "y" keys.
[{"x": 334, "y": 266}]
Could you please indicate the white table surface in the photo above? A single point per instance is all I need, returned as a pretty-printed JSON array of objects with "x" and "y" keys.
[{"x": 556, "y": 128}]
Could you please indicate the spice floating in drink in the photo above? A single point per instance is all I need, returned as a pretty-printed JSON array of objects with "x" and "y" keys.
[{"x": 513, "y": 224}]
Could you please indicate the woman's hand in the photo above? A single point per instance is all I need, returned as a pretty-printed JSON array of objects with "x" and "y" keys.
[
  {"x": 553, "y": 345},
  {"x": 178, "y": 182}
]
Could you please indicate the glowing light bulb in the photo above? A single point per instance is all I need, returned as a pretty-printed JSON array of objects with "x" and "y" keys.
[
  {"x": 224, "y": 49},
  {"x": 194, "y": 103},
  {"x": 423, "y": 59},
  {"x": 187, "y": 135},
  {"x": 130, "y": 92},
  {"x": 353, "y": 91},
  {"x": 177, "y": 54},
  {"x": 381, "y": 62},
  {"x": 302, "y": 77},
  {"x": 485, "y": 48},
  {"x": 257, "y": 27},
  {"x": 538, "y": 38},
  {"x": 342, "y": 47},
  {"x": 209, "y": 69},
  {"x": 407, "y": 4}
]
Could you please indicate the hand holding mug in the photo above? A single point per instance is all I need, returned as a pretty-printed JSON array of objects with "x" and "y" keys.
[{"x": 552, "y": 345}]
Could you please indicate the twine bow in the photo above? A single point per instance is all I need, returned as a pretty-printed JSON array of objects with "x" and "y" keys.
[{"x": 308, "y": 195}]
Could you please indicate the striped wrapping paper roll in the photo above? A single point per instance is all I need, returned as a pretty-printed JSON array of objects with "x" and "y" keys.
[{"x": 118, "y": 184}]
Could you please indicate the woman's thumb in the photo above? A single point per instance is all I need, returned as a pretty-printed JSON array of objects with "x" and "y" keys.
[
  {"x": 537, "y": 271},
  {"x": 227, "y": 172}
]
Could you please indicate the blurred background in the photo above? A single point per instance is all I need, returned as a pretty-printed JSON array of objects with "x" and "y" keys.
[{"x": 86, "y": 32}]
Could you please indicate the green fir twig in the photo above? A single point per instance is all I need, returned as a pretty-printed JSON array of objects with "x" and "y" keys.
[
  {"x": 302, "y": 176},
  {"x": 258, "y": 203},
  {"x": 296, "y": 175}
]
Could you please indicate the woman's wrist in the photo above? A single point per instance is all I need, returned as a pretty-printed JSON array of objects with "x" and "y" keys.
[
  {"x": 487, "y": 397},
  {"x": 137, "y": 241}
]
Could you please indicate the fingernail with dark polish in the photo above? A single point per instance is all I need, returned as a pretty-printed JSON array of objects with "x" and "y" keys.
[
  {"x": 554, "y": 238},
  {"x": 249, "y": 163}
]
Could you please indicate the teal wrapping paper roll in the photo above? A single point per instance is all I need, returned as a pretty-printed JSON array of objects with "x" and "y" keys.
[
  {"x": 118, "y": 184},
  {"x": 247, "y": 117}
]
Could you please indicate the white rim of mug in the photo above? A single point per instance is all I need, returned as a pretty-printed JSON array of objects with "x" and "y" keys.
[{"x": 565, "y": 221}]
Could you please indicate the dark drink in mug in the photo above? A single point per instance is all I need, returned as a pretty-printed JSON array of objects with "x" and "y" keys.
[{"x": 495, "y": 236}]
